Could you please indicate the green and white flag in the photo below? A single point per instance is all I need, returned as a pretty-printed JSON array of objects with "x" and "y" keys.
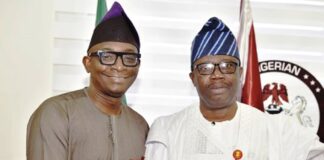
[{"x": 101, "y": 10}]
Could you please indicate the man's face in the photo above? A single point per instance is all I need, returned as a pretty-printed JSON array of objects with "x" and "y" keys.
[
  {"x": 112, "y": 80},
  {"x": 217, "y": 90}
]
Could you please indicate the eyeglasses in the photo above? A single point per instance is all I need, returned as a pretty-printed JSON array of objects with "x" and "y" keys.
[
  {"x": 223, "y": 67},
  {"x": 110, "y": 57}
]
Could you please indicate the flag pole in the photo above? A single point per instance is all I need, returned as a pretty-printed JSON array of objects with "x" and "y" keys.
[{"x": 251, "y": 92}]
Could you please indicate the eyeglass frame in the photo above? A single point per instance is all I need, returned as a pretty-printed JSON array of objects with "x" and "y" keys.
[
  {"x": 216, "y": 65},
  {"x": 100, "y": 53}
]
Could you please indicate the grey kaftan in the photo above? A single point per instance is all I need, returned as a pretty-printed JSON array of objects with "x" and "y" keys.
[{"x": 71, "y": 127}]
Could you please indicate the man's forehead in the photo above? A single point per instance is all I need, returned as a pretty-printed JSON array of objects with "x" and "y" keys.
[
  {"x": 217, "y": 58},
  {"x": 113, "y": 46}
]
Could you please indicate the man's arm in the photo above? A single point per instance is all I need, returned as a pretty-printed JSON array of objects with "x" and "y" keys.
[
  {"x": 157, "y": 140},
  {"x": 156, "y": 151},
  {"x": 316, "y": 151},
  {"x": 47, "y": 134},
  {"x": 296, "y": 141}
]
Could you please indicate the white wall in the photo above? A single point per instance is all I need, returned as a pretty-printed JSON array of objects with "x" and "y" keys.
[{"x": 25, "y": 69}]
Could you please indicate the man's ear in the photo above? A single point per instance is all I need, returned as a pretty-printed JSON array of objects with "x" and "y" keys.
[
  {"x": 191, "y": 75},
  {"x": 86, "y": 63}
]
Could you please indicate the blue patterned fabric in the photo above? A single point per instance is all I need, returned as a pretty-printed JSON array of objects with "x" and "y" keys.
[{"x": 215, "y": 38}]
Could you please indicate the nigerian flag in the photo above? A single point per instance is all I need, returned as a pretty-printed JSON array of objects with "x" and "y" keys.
[{"x": 101, "y": 12}]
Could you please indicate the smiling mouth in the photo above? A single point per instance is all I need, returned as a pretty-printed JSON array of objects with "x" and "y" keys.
[{"x": 117, "y": 76}]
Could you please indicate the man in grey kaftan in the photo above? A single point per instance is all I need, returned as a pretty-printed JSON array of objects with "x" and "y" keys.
[
  {"x": 70, "y": 126},
  {"x": 93, "y": 123}
]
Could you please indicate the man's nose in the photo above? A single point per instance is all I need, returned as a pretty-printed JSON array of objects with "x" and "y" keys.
[
  {"x": 216, "y": 73},
  {"x": 118, "y": 64}
]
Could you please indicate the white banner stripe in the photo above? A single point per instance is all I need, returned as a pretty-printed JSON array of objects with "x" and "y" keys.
[{"x": 244, "y": 33}]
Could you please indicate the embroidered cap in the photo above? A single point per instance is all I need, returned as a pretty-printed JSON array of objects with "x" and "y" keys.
[
  {"x": 115, "y": 26},
  {"x": 215, "y": 38}
]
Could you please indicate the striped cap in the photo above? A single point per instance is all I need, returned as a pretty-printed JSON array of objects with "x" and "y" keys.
[
  {"x": 115, "y": 26},
  {"x": 215, "y": 38}
]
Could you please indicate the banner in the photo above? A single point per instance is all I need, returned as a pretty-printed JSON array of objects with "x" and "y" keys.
[{"x": 251, "y": 92}]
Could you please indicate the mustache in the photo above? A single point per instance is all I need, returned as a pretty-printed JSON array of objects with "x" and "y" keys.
[{"x": 217, "y": 85}]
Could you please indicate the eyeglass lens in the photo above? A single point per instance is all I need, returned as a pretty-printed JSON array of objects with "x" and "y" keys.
[
  {"x": 110, "y": 58},
  {"x": 224, "y": 67}
]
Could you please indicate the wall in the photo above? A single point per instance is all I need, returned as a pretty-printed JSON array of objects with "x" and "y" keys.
[{"x": 25, "y": 69}]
